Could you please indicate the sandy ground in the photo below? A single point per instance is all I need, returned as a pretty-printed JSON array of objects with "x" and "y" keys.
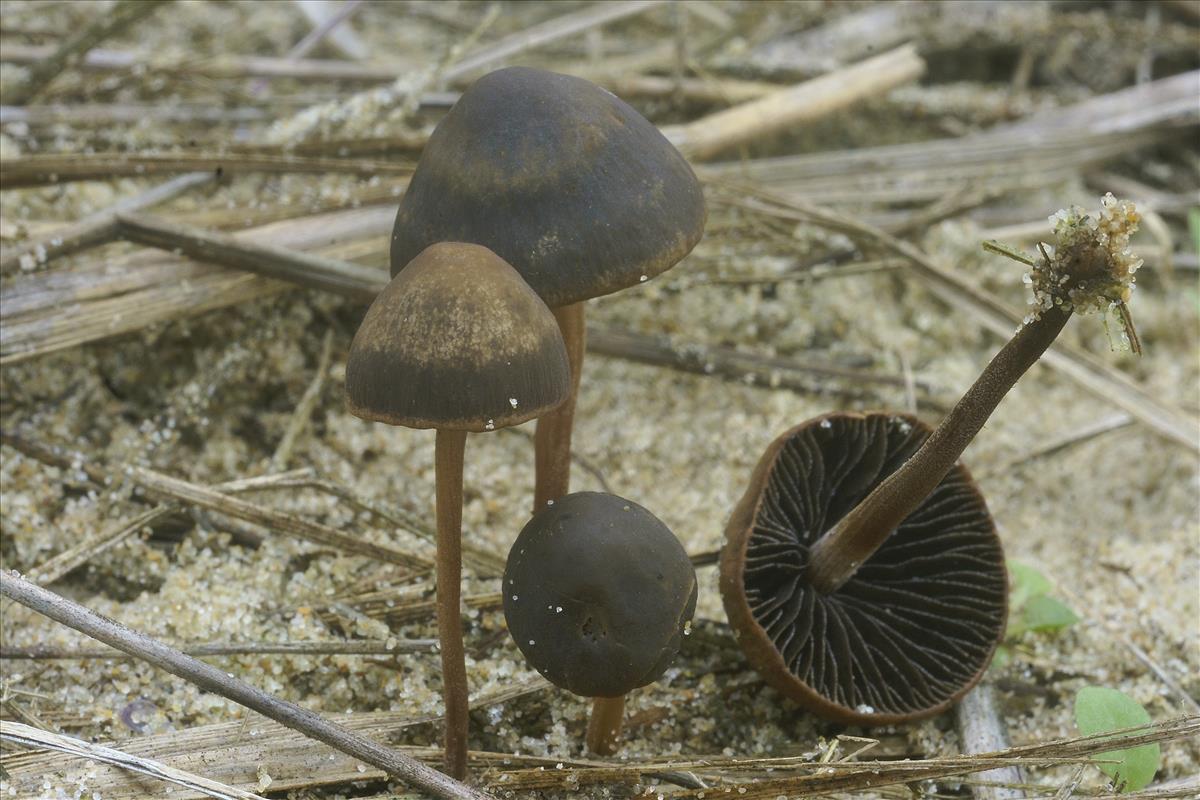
[{"x": 1113, "y": 521}]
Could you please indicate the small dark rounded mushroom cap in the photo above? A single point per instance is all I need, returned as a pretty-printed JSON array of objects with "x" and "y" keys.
[
  {"x": 457, "y": 341},
  {"x": 916, "y": 625},
  {"x": 562, "y": 179},
  {"x": 598, "y": 594}
]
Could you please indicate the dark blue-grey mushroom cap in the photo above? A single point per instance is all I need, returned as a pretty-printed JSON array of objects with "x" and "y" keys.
[
  {"x": 598, "y": 594},
  {"x": 559, "y": 177}
]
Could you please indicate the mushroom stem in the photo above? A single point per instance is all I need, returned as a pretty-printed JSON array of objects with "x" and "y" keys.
[
  {"x": 552, "y": 441},
  {"x": 448, "y": 462},
  {"x": 837, "y": 555},
  {"x": 604, "y": 725}
]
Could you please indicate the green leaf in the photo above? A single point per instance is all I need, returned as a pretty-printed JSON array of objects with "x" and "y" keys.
[
  {"x": 1030, "y": 605},
  {"x": 1001, "y": 658},
  {"x": 1044, "y": 613},
  {"x": 1099, "y": 710},
  {"x": 1027, "y": 582}
]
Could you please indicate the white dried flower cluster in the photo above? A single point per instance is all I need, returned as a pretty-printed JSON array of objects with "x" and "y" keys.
[{"x": 1091, "y": 266}]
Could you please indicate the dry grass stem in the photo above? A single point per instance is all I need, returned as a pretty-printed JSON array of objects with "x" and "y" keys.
[
  {"x": 26, "y": 736},
  {"x": 327, "y": 19},
  {"x": 111, "y": 21},
  {"x": 76, "y": 556},
  {"x": 277, "y": 521},
  {"x": 981, "y": 729},
  {"x": 304, "y": 409},
  {"x": 359, "y": 647},
  {"x": 1068, "y": 788},
  {"x": 72, "y": 558},
  {"x": 1181, "y": 695},
  {"x": 1090, "y": 372},
  {"x": 42, "y": 170},
  {"x": 810, "y": 274},
  {"x": 214, "y": 680},
  {"x": 113, "y": 297},
  {"x": 399, "y": 606},
  {"x": 95, "y": 472},
  {"x": 744, "y": 777},
  {"x": 928, "y": 171},
  {"x": 98, "y": 228},
  {"x": 867, "y": 775},
  {"x": 1086, "y": 433},
  {"x": 750, "y": 368},
  {"x": 723, "y": 130},
  {"x": 552, "y": 30},
  {"x": 483, "y": 560},
  {"x": 98, "y": 115},
  {"x": 1039, "y": 150},
  {"x": 268, "y": 260},
  {"x": 1164, "y": 102},
  {"x": 226, "y": 751},
  {"x": 225, "y": 67}
]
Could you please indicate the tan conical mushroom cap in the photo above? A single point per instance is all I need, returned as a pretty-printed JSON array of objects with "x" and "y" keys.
[{"x": 457, "y": 341}]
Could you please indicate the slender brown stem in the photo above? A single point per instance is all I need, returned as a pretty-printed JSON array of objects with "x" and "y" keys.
[
  {"x": 604, "y": 726},
  {"x": 839, "y": 552},
  {"x": 449, "y": 467},
  {"x": 217, "y": 681},
  {"x": 552, "y": 441}
]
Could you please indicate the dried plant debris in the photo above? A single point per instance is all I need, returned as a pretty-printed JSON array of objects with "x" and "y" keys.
[
  {"x": 1090, "y": 266},
  {"x": 145, "y": 363}
]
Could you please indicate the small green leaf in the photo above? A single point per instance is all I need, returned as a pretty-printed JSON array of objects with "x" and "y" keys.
[
  {"x": 1099, "y": 710},
  {"x": 1001, "y": 658},
  {"x": 1044, "y": 613},
  {"x": 1030, "y": 605},
  {"x": 1027, "y": 582}
]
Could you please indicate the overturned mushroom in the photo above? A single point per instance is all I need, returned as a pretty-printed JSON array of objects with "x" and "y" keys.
[
  {"x": 457, "y": 342},
  {"x": 571, "y": 186},
  {"x": 598, "y": 594},
  {"x": 915, "y": 626},
  {"x": 861, "y": 569}
]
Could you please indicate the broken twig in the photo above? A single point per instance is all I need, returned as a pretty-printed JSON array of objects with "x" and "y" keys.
[{"x": 211, "y": 679}]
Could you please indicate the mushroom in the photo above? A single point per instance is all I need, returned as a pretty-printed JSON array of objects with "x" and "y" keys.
[
  {"x": 917, "y": 624},
  {"x": 572, "y": 187},
  {"x": 457, "y": 342},
  {"x": 598, "y": 594},
  {"x": 861, "y": 569}
]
